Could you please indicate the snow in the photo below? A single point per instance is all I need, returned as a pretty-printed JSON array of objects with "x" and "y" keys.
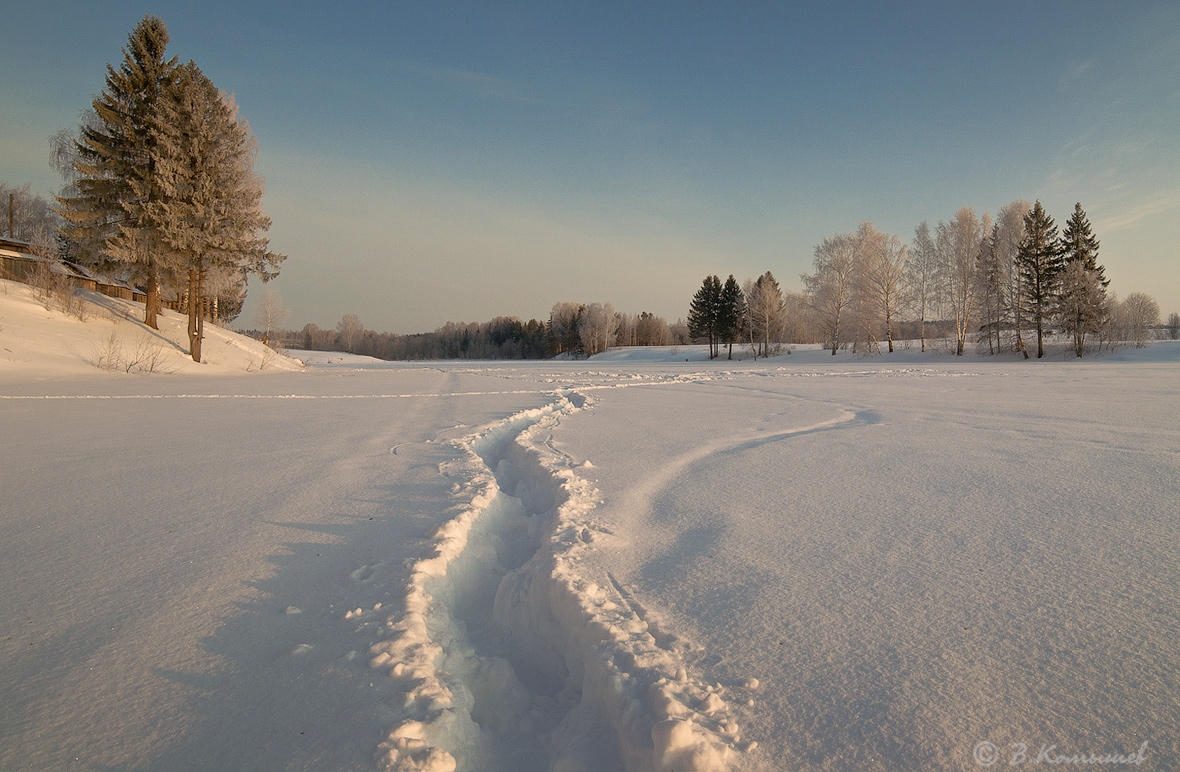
[
  {"x": 43, "y": 343},
  {"x": 626, "y": 563}
]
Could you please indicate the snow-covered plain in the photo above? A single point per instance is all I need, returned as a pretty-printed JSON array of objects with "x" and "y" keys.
[{"x": 630, "y": 563}]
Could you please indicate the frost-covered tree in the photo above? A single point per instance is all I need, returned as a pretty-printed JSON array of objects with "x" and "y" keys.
[
  {"x": 1079, "y": 244},
  {"x": 349, "y": 332},
  {"x": 562, "y": 328},
  {"x": 1082, "y": 306},
  {"x": 28, "y": 216},
  {"x": 957, "y": 245},
  {"x": 597, "y": 328},
  {"x": 115, "y": 181},
  {"x": 767, "y": 314},
  {"x": 990, "y": 274},
  {"x": 271, "y": 313},
  {"x": 883, "y": 261},
  {"x": 830, "y": 289},
  {"x": 1007, "y": 238},
  {"x": 704, "y": 314},
  {"x": 1040, "y": 264},
  {"x": 1139, "y": 313},
  {"x": 651, "y": 330},
  {"x": 1174, "y": 326},
  {"x": 208, "y": 209},
  {"x": 922, "y": 275}
]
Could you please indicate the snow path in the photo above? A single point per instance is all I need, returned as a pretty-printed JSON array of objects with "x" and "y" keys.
[{"x": 510, "y": 658}]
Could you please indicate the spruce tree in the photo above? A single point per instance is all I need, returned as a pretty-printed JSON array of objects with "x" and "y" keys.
[
  {"x": 1082, "y": 305},
  {"x": 116, "y": 179},
  {"x": 732, "y": 311},
  {"x": 1078, "y": 243},
  {"x": 704, "y": 313},
  {"x": 209, "y": 209},
  {"x": 1040, "y": 263}
]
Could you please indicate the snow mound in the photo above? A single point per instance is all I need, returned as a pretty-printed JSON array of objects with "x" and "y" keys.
[{"x": 105, "y": 336}]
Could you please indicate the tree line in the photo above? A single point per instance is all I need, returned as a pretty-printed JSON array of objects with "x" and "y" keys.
[
  {"x": 998, "y": 284},
  {"x": 160, "y": 186},
  {"x": 574, "y": 330}
]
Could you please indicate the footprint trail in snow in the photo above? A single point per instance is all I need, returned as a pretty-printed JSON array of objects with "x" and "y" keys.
[{"x": 509, "y": 658}]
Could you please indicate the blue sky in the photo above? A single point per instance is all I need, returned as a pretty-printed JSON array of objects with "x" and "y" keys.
[{"x": 434, "y": 161}]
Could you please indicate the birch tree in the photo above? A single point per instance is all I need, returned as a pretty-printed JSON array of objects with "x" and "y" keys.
[
  {"x": 830, "y": 288},
  {"x": 349, "y": 332},
  {"x": 921, "y": 275},
  {"x": 597, "y": 327},
  {"x": 271, "y": 313},
  {"x": 883, "y": 270},
  {"x": 957, "y": 245},
  {"x": 767, "y": 313}
]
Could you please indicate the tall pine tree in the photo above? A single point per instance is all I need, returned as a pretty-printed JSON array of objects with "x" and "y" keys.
[
  {"x": 116, "y": 179},
  {"x": 1082, "y": 305},
  {"x": 1040, "y": 263},
  {"x": 732, "y": 310},
  {"x": 1079, "y": 244},
  {"x": 704, "y": 313}
]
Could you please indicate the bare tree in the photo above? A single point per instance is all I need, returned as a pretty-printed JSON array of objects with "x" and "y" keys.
[
  {"x": 652, "y": 330},
  {"x": 957, "y": 246},
  {"x": 597, "y": 328},
  {"x": 271, "y": 312},
  {"x": 766, "y": 312},
  {"x": 830, "y": 289},
  {"x": 349, "y": 332},
  {"x": 564, "y": 337},
  {"x": 921, "y": 276},
  {"x": 28, "y": 217},
  {"x": 1140, "y": 313},
  {"x": 883, "y": 261}
]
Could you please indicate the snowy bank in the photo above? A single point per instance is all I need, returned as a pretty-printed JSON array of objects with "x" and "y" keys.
[{"x": 39, "y": 341}]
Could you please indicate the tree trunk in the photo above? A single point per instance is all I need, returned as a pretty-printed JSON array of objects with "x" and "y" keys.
[
  {"x": 195, "y": 328},
  {"x": 151, "y": 305}
]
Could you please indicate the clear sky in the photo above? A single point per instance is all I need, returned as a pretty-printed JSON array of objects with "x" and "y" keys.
[{"x": 434, "y": 161}]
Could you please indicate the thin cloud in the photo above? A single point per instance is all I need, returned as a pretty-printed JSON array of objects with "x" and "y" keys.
[
  {"x": 1074, "y": 71},
  {"x": 481, "y": 84},
  {"x": 1162, "y": 202}
]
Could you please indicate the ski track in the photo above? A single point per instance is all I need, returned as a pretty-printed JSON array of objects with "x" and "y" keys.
[{"x": 508, "y": 657}]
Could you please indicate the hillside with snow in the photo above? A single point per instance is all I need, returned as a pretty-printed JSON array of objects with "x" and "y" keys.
[
  {"x": 40, "y": 340},
  {"x": 636, "y": 562}
]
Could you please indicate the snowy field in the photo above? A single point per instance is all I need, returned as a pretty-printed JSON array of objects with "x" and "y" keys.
[{"x": 631, "y": 563}]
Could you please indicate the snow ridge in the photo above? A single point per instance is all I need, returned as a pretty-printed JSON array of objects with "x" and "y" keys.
[{"x": 510, "y": 658}]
